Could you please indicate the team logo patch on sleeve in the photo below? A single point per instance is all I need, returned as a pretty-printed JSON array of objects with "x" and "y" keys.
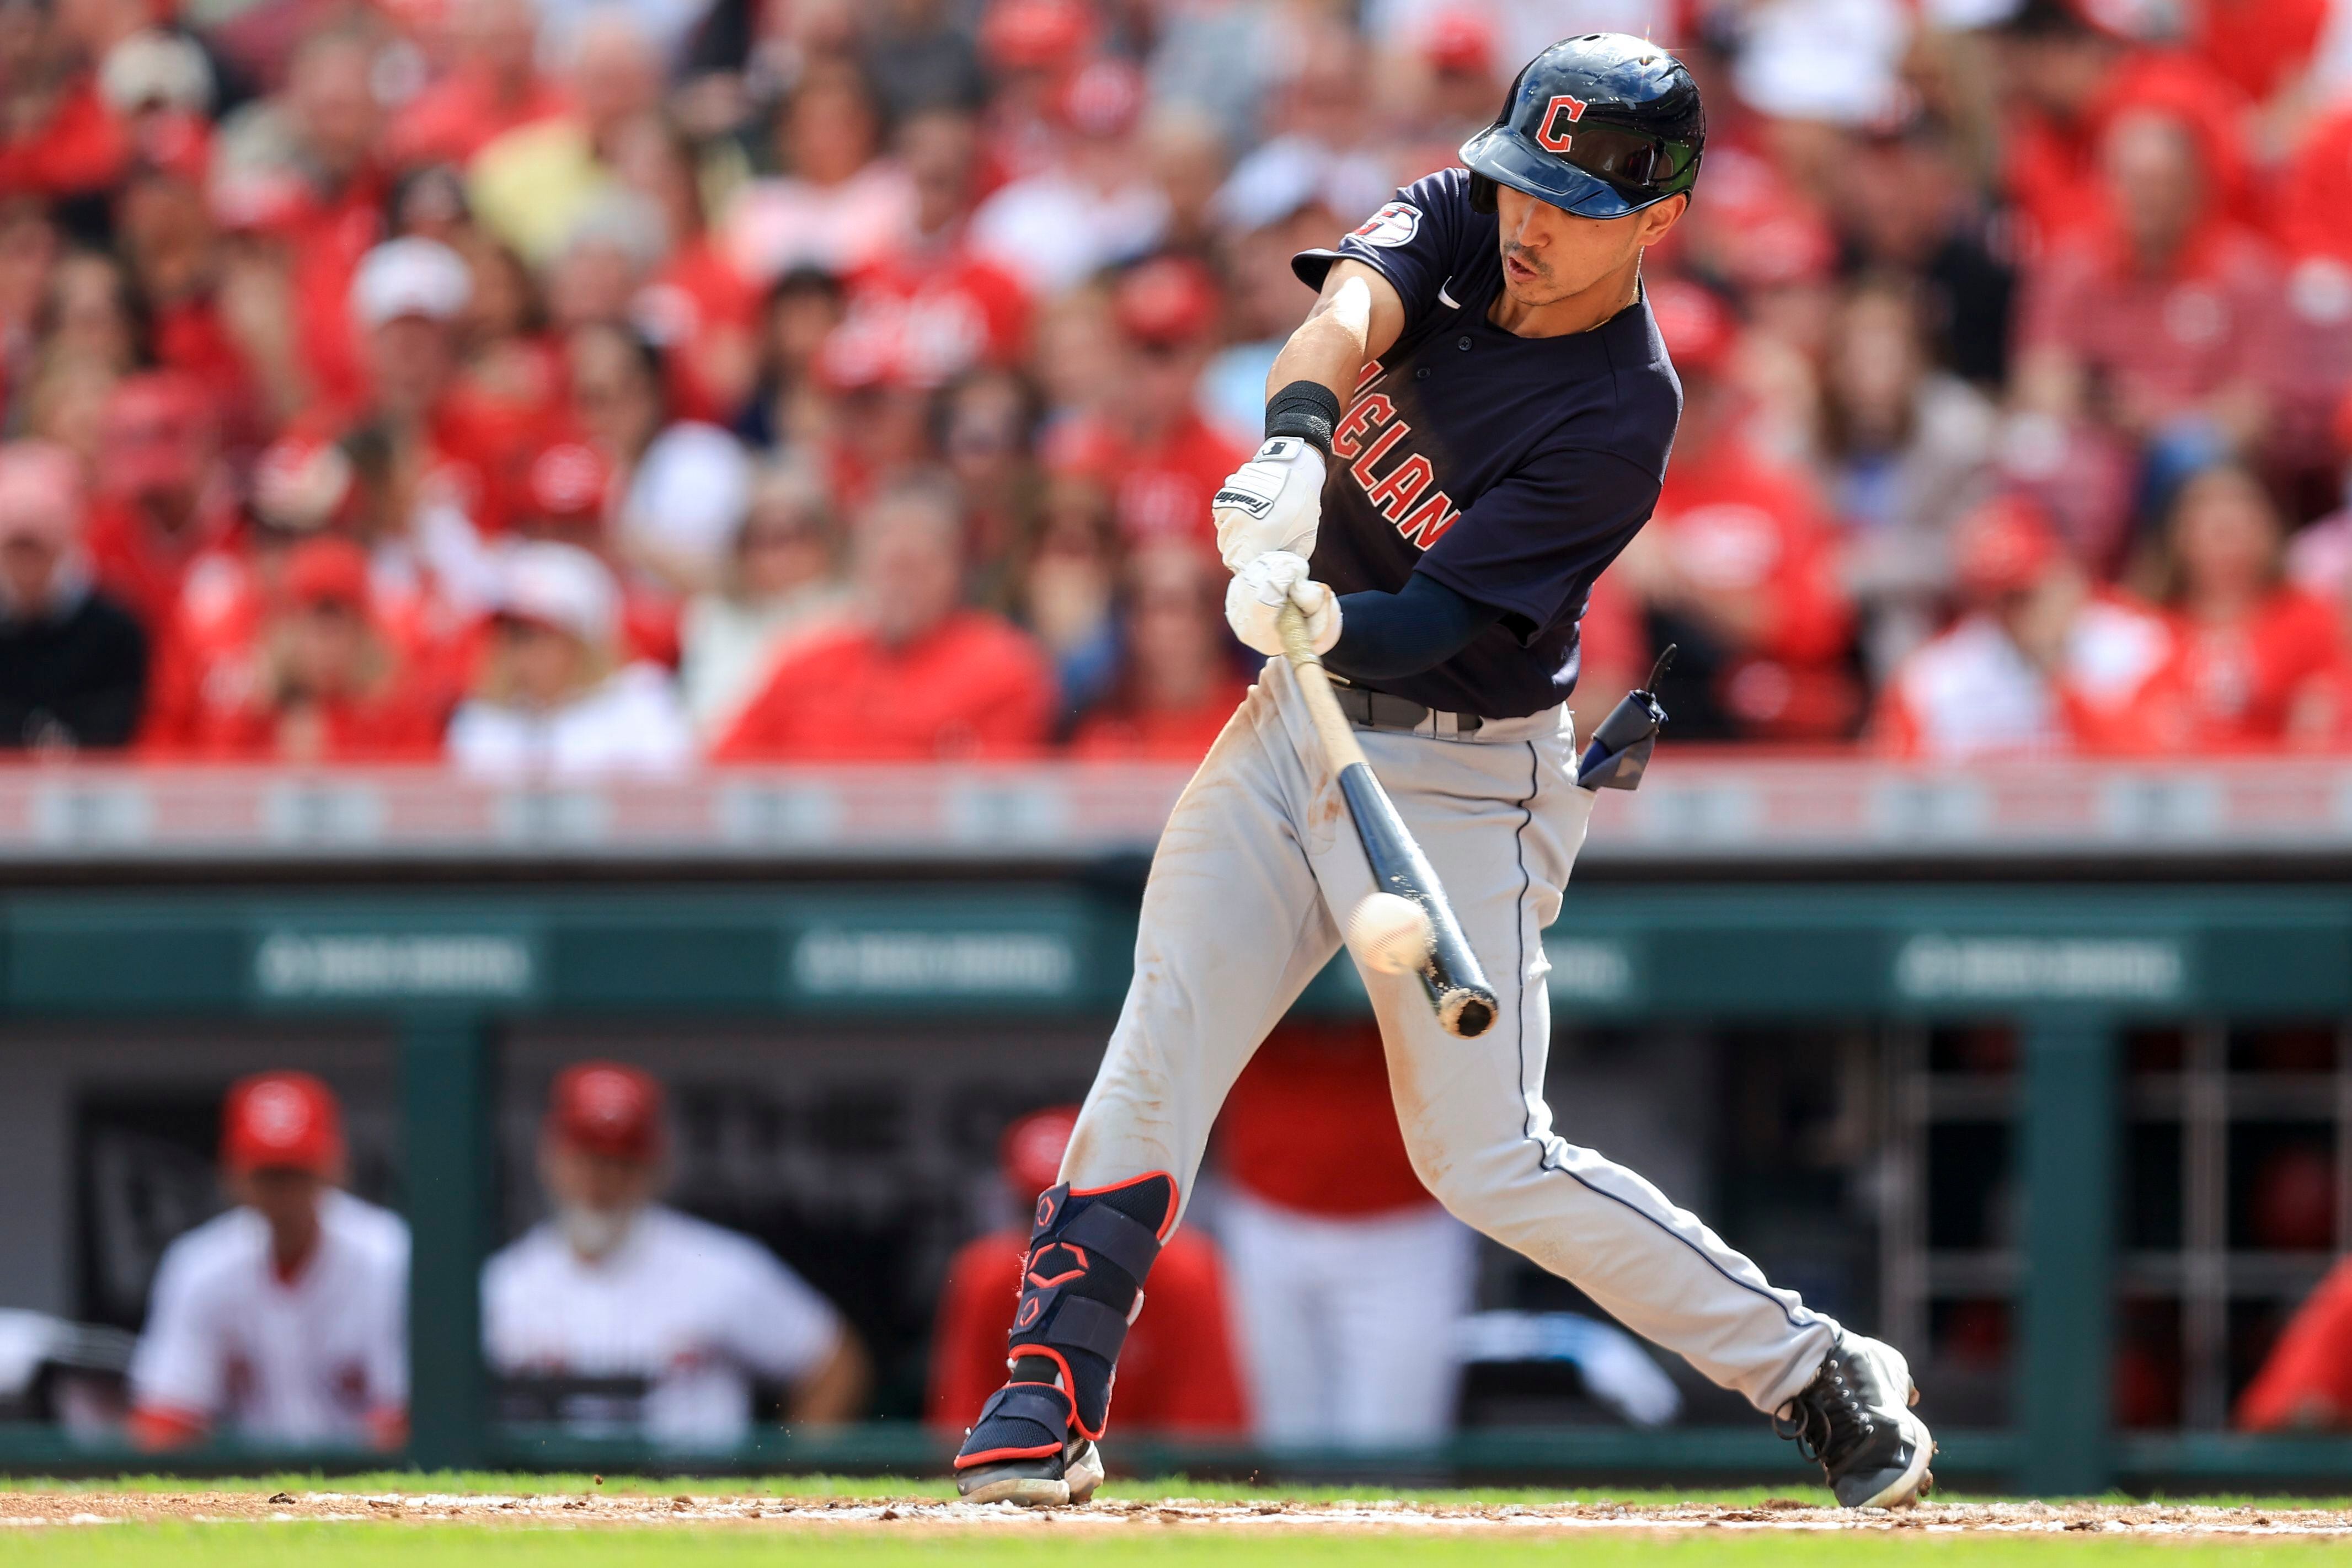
[{"x": 1393, "y": 224}]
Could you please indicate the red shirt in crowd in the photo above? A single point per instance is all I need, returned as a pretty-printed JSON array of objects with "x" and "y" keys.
[
  {"x": 970, "y": 686},
  {"x": 2235, "y": 685},
  {"x": 463, "y": 112},
  {"x": 1739, "y": 527},
  {"x": 921, "y": 320},
  {"x": 1971, "y": 693},
  {"x": 2052, "y": 169},
  {"x": 1310, "y": 1125},
  {"x": 2260, "y": 46},
  {"x": 695, "y": 297},
  {"x": 80, "y": 147},
  {"x": 1123, "y": 733},
  {"x": 1160, "y": 489},
  {"x": 2307, "y": 1380},
  {"x": 2162, "y": 343},
  {"x": 1176, "y": 1373},
  {"x": 145, "y": 568}
]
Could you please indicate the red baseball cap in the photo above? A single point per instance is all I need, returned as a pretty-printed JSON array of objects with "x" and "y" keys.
[
  {"x": 1459, "y": 41},
  {"x": 329, "y": 569},
  {"x": 1025, "y": 34},
  {"x": 281, "y": 1121},
  {"x": 1695, "y": 324},
  {"x": 605, "y": 1108},
  {"x": 1103, "y": 98},
  {"x": 2003, "y": 546},
  {"x": 1030, "y": 1153},
  {"x": 1165, "y": 301}
]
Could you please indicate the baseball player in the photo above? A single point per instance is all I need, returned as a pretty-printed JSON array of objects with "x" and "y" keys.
[
  {"x": 1467, "y": 428},
  {"x": 628, "y": 1315},
  {"x": 284, "y": 1320}
]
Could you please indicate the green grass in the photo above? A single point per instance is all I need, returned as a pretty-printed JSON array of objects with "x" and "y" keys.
[{"x": 305, "y": 1545}]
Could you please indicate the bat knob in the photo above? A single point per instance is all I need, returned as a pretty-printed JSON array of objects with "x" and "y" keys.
[{"x": 1466, "y": 1013}]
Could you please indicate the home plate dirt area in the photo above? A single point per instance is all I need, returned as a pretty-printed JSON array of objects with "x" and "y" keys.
[{"x": 2206, "y": 1522}]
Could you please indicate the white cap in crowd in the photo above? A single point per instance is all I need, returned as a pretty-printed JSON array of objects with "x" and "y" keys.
[
  {"x": 561, "y": 586},
  {"x": 410, "y": 277}
]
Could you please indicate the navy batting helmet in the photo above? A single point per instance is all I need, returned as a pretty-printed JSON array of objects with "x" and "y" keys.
[{"x": 1599, "y": 126}]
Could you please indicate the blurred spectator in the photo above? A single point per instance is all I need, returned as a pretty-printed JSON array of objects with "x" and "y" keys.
[
  {"x": 327, "y": 685},
  {"x": 785, "y": 409},
  {"x": 284, "y": 1320},
  {"x": 2069, "y": 71},
  {"x": 2043, "y": 661},
  {"x": 918, "y": 677},
  {"x": 1909, "y": 209},
  {"x": 1178, "y": 682},
  {"x": 925, "y": 311},
  {"x": 1092, "y": 205},
  {"x": 619, "y": 1314},
  {"x": 1738, "y": 566},
  {"x": 696, "y": 306},
  {"x": 2306, "y": 1383},
  {"x": 2244, "y": 641},
  {"x": 2162, "y": 324},
  {"x": 529, "y": 185},
  {"x": 838, "y": 205},
  {"x": 781, "y": 588},
  {"x": 1066, "y": 588},
  {"x": 1147, "y": 442},
  {"x": 1909, "y": 450},
  {"x": 1355, "y": 1279},
  {"x": 163, "y": 496},
  {"x": 685, "y": 483},
  {"x": 492, "y": 86},
  {"x": 1177, "y": 1373},
  {"x": 73, "y": 663},
  {"x": 407, "y": 298},
  {"x": 553, "y": 701}
]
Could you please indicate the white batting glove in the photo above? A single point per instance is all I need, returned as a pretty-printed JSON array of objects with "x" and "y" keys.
[
  {"x": 1254, "y": 598},
  {"x": 1273, "y": 502}
]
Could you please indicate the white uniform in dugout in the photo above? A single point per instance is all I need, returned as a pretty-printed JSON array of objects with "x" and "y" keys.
[
  {"x": 1484, "y": 375},
  {"x": 320, "y": 1358},
  {"x": 699, "y": 1314}
]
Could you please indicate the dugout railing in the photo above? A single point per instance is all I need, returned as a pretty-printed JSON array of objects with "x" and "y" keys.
[{"x": 2074, "y": 966}]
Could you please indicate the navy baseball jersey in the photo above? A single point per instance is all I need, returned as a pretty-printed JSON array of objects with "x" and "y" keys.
[{"x": 1510, "y": 469}]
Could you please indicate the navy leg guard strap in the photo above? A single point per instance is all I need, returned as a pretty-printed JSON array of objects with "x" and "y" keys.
[{"x": 1089, "y": 1252}]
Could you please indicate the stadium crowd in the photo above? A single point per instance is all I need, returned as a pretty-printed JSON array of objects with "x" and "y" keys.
[{"x": 564, "y": 387}]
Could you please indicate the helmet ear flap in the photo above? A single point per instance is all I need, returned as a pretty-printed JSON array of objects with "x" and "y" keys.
[{"x": 1482, "y": 193}]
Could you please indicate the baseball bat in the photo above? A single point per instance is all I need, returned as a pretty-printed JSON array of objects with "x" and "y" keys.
[{"x": 1457, "y": 987}]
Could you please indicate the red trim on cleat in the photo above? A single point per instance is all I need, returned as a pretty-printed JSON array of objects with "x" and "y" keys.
[{"x": 997, "y": 1456}]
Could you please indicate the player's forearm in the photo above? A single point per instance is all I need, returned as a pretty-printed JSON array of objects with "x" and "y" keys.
[
  {"x": 1383, "y": 636},
  {"x": 1330, "y": 348}
]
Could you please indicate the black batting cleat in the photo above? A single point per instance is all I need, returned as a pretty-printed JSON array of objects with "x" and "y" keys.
[
  {"x": 1023, "y": 1451},
  {"x": 1854, "y": 1420}
]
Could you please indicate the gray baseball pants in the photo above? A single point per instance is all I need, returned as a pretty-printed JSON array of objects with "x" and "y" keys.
[{"x": 1253, "y": 878}]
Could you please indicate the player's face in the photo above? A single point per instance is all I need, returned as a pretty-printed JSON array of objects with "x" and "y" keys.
[{"x": 1551, "y": 257}]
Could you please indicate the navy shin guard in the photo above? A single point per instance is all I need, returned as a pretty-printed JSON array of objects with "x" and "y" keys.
[{"x": 1082, "y": 1282}]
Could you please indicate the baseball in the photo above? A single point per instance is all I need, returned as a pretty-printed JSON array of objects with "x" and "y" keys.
[{"x": 1390, "y": 934}]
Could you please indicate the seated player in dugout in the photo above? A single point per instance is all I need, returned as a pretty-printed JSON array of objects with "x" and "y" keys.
[
  {"x": 1177, "y": 1372},
  {"x": 283, "y": 1321},
  {"x": 1464, "y": 433},
  {"x": 617, "y": 1314}
]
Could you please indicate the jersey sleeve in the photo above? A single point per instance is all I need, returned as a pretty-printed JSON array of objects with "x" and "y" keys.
[
  {"x": 179, "y": 1364},
  {"x": 1531, "y": 546},
  {"x": 780, "y": 1326},
  {"x": 1413, "y": 242}
]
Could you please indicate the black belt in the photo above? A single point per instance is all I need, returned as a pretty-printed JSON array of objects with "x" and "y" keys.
[{"x": 1379, "y": 710}]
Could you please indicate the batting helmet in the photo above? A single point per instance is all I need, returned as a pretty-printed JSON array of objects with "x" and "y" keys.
[{"x": 1600, "y": 126}]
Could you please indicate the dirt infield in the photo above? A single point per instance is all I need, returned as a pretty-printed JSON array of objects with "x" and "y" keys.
[{"x": 36, "y": 1509}]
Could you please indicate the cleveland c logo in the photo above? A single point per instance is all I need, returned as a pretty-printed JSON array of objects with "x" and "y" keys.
[{"x": 1563, "y": 111}]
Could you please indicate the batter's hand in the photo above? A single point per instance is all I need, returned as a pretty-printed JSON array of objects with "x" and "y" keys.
[
  {"x": 1273, "y": 502},
  {"x": 1254, "y": 598}
]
